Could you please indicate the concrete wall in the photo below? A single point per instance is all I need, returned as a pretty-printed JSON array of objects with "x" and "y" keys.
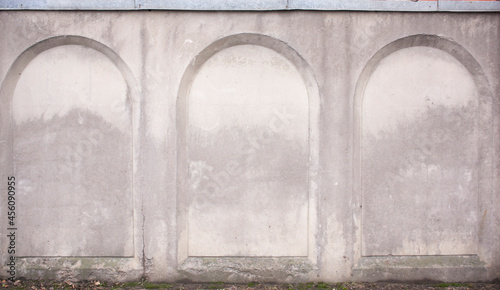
[{"x": 250, "y": 146}]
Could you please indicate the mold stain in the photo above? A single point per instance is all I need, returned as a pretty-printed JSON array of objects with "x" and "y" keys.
[
  {"x": 76, "y": 172},
  {"x": 424, "y": 174},
  {"x": 247, "y": 154},
  {"x": 419, "y": 154}
]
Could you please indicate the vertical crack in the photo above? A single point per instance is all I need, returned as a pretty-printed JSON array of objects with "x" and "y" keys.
[
  {"x": 144, "y": 277},
  {"x": 143, "y": 50}
]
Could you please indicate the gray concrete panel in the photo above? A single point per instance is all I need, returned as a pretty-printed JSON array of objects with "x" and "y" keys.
[
  {"x": 419, "y": 156},
  {"x": 152, "y": 145}
]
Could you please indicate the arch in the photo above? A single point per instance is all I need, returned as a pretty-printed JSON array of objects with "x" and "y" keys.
[
  {"x": 262, "y": 43},
  {"x": 482, "y": 118},
  {"x": 22, "y": 61},
  {"x": 83, "y": 147}
]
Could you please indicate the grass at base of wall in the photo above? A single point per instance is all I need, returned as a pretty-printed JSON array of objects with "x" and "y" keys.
[{"x": 48, "y": 285}]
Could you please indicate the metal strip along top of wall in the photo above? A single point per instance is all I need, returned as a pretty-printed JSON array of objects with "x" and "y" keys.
[{"x": 257, "y": 5}]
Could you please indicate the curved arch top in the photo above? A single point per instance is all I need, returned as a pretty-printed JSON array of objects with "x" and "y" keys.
[
  {"x": 255, "y": 104},
  {"x": 249, "y": 39},
  {"x": 427, "y": 40},
  {"x": 23, "y": 60},
  {"x": 71, "y": 150},
  {"x": 30, "y": 53},
  {"x": 429, "y": 158}
]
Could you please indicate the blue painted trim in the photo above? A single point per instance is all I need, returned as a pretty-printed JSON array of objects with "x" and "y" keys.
[{"x": 253, "y": 5}]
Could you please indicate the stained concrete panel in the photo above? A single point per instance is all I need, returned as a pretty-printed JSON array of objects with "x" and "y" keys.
[
  {"x": 419, "y": 156},
  {"x": 72, "y": 155},
  {"x": 335, "y": 53},
  {"x": 248, "y": 154}
]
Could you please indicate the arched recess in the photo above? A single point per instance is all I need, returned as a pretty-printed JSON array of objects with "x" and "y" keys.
[
  {"x": 69, "y": 146},
  {"x": 247, "y": 108},
  {"x": 423, "y": 109}
]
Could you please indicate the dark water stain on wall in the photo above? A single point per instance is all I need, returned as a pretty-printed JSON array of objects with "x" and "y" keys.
[
  {"x": 421, "y": 186},
  {"x": 74, "y": 171}
]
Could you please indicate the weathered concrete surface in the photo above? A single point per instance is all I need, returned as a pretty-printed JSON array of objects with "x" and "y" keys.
[
  {"x": 238, "y": 146},
  {"x": 420, "y": 156},
  {"x": 72, "y": 155},
  {"x": 247, "y": 155}
]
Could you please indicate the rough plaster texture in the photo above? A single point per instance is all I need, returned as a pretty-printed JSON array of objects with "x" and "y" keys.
[
  {"x": 72, "y": 144},
  {"x": 419, "y": 156},
  {"x": 247, "y": 155},
  {"x": 250, "y": 146}
]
